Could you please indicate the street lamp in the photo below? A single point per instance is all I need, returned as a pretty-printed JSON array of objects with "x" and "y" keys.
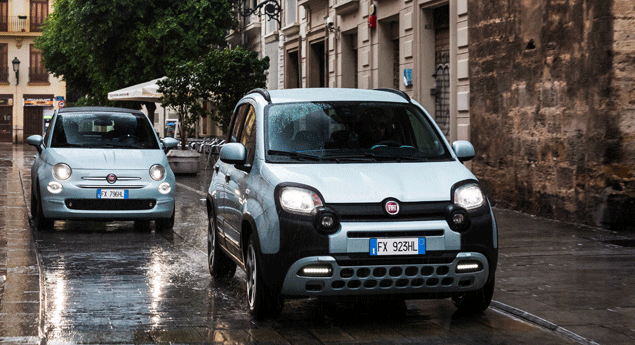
[
  {"x": 16, "y": 69},
  {"x": 271, "y": 8}
]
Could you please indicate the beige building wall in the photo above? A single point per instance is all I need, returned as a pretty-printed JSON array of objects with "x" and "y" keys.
[
  {"x": 328, "y": 43},
  {"x": 27, "y": 99}
]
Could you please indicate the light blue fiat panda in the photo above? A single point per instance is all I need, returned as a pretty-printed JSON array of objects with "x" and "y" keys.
[{"x": 347, "y": 193}]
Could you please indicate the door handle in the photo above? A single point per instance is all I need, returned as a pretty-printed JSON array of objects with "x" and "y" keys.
[
  {"x": 216, "y": 169},
  {"x": 227, "y": 178}
]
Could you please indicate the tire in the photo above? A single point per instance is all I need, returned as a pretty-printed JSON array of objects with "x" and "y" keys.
[
  {"x": 41, "y": 223},
  {"x": 221, "y": 267},
  {"x": 475, "y": 302},
  {"x": 142, "y": 226},
  {"x": 165, "y": 224},
  {"x": 263, "y": 302}
]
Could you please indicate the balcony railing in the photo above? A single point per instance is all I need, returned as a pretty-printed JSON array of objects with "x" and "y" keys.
[
  {"x": 38, "y": 75},
  {"x": 14, "y": 24}
]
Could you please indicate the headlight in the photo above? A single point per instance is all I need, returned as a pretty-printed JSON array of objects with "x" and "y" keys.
[
  {"x": 157, "y": 172},
  {"x": 299, "y": 200},
  {"x": 469, "y": 196},
  {"x": 62, "y": 171}
]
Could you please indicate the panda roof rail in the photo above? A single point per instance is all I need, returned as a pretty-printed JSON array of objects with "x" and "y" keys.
[
  {"x": 263, "y": 92},
  {"x": 397, "y": 92}
]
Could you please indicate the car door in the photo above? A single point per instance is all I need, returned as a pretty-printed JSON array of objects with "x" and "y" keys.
[
  {"x": 236, "y": 178},
  {"x": 221, "y": 178}
]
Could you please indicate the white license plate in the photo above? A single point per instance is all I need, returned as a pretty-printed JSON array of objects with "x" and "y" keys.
[
  {"x": 397, "y": 246},
  {"x": 112, "y": 194}
]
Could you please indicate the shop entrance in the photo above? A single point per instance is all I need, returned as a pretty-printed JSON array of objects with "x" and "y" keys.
[
  {"x": 6, "y": 124},
  {"x": 33, "y": 119}
]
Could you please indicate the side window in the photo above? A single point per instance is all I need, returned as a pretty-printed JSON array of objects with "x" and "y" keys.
[
  {"x": 248, "y": 135},
  {"x": 239, "y": 120}
]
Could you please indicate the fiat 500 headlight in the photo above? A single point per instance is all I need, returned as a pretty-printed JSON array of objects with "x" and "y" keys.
[
  {"x": 62, "y": 171},
  {"x": 157, "y": 172},
  {"x": 469, "y": 196},
  {"x": 299, "y": 200}
]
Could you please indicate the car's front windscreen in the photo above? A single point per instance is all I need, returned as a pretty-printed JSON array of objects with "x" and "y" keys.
[
  {"x": 103, "y": 130},
  {"x": 350, "y": 132}
]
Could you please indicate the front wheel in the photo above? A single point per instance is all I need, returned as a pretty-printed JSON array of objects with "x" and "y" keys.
[
  {"x": 41, "y": 223},
  {"x": 221, "y": 267},
  {"x": 263, "y": 302},
  {"x": 475, "y": 302},
  {"x": 165, "y": 224}
]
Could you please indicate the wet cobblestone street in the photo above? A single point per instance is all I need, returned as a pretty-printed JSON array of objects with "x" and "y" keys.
[{"x": 107, "y": 283}]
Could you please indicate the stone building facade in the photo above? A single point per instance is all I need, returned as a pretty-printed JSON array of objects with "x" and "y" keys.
[
  {"x": 544, "y": 89},
  {"x": 417, "y": 46},
  {"x": 28, "y": 92},
  {"x": 552, "y": 106}
]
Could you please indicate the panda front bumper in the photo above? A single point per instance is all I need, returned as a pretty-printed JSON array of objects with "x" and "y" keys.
[{"x": 322, "y": 276}]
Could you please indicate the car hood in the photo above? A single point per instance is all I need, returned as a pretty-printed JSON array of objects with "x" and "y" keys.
[
  {"x": 98, "y": 159},
  {"x": 362, "y": 183}
]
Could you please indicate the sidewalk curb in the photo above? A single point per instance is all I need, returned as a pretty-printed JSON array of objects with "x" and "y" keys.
[{"x": 542, "y": 323}]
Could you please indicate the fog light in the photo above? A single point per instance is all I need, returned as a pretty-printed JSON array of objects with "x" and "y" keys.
[
  {"x": 164, "y": 188},
  {"x": 54, "y": 187},
  {"x": 316, "y": 270},
  {"x": 326, "y": 221},
  {"x": 468, "y": 266},
  {"x": 458, "y": 218}
]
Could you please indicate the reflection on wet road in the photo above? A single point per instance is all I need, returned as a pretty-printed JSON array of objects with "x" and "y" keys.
[{"x": 108, "y": 283}]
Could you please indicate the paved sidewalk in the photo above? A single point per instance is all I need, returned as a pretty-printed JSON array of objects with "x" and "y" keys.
[{"x": 577, "y": 281}]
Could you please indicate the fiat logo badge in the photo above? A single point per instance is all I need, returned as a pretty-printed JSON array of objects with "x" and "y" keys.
[
  {"x": 391, "y": 207},
  {"x": 111, "y": 178}
]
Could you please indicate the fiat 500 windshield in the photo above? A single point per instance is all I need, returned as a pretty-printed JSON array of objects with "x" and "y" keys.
[
  {"x": 103, "y": 130},
  {"x": 350, "y": 132}
]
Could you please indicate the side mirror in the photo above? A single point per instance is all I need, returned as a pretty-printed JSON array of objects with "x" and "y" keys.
[
  {"x": 233, "y": 153},
  {"x": 169, "y": 143},
  {"x": 464, "y": 150},
  {"x": 36, "y": 140}
]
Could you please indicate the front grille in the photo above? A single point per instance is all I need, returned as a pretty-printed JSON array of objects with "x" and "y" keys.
[
  {"x": 365, "y": 259},
  {"x": 110, "y": 204},
  {"x": 375, "y": 211},
  {"x": 423, "y": 276},
  {"x": 393, "y": 234}
]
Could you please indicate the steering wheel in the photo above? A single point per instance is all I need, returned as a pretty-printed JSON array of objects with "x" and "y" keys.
[
  {"x": 384, "y": 143},
  {"x": 128, "y": 137}
]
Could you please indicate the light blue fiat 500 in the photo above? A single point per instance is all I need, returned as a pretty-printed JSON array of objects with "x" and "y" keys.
[
  {"x": 345, "y": 193},
  {"x": 105, "y": 164}
]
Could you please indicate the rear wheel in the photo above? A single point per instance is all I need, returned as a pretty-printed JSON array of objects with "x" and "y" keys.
[
  {"x": 263, "y": 302},
  {"x": 221, "y": 267},
  {"x": 475, "y": 302}
]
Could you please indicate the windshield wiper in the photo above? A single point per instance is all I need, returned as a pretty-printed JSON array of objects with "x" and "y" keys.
[{"x": 293, "y": 154}]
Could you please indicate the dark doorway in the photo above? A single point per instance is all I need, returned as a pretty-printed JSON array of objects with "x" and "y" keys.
[
  {"x": 6, "y": 124},
  {"x": 33, "y": 117}
]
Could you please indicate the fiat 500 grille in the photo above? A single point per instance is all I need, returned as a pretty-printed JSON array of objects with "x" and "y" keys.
[{"x": 110, "y": 204}]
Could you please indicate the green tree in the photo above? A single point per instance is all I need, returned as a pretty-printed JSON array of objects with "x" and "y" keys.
[
  {"x": 182, "y": 92},
  {"x": 222, "y": 76},
  {"x": 226, "y": 75},
  {"x": 98, "y": 46}
]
